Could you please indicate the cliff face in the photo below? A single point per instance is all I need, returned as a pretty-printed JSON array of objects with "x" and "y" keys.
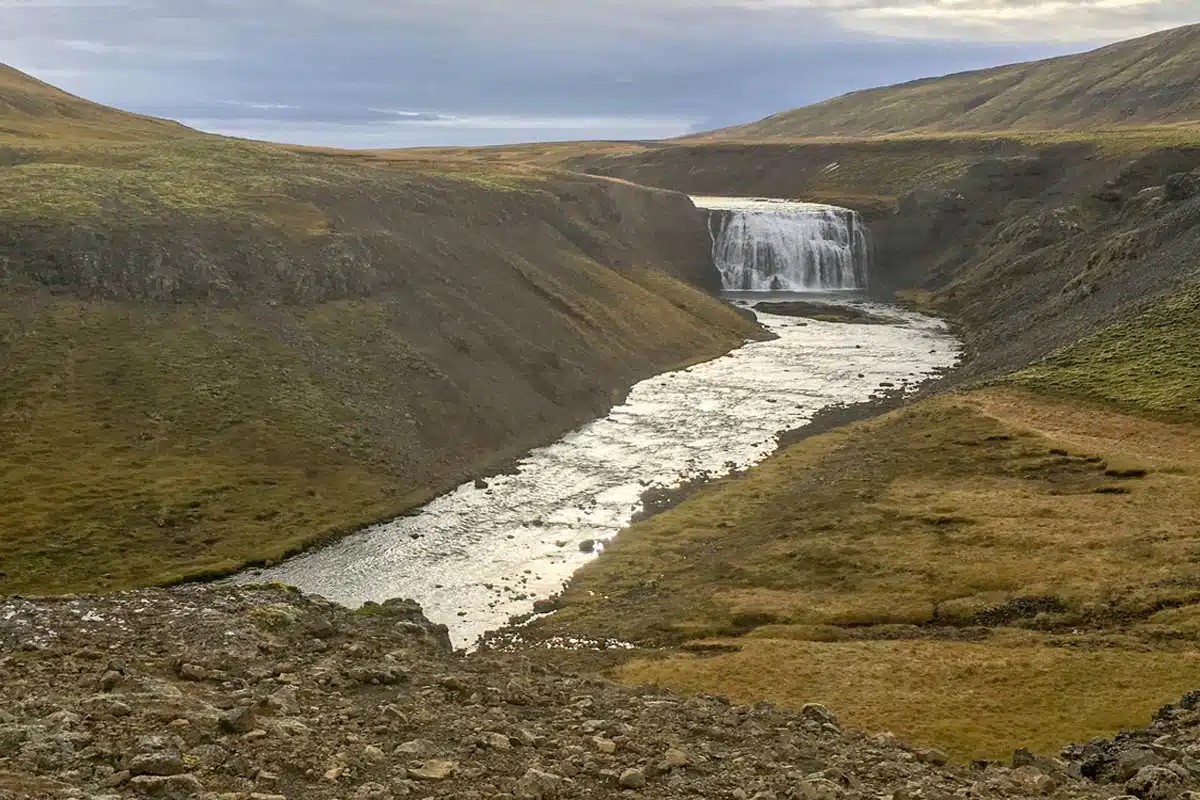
[
  {"x": 346, "y": 241},
  {"x": 1031, "y": 241}
]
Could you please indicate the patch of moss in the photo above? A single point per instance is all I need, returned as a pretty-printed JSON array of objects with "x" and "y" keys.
[{"x": 1148, "y": 364}]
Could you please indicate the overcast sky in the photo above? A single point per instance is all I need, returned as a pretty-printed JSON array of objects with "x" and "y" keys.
[{"x": 373, "y": 73}]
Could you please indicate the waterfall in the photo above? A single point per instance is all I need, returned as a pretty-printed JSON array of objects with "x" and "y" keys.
[{"x": 782, "y": 246}]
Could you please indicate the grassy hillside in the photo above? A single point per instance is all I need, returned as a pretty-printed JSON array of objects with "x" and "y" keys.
[
  {"x": 1151, "y": 80},
  {"x": 1012, "y": 565},
  {"x": 218, "y": 351}
]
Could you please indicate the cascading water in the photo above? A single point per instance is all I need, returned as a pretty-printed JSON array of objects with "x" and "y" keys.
[{"x": 783, "y": 246}]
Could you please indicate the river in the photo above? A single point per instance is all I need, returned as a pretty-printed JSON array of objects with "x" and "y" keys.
[{"x": 478, "y": 556}]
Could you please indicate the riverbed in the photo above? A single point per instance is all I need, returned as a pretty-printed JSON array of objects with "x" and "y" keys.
[{"x": 486, "y": 552}]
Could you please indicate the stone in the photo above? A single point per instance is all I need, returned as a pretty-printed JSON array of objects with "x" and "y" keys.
[
  {"x": 193, "y": 672},
  {"x": 117, "y": 779},
  {"x": 209, "y": 755},
  {"x": 819, "y": 713},
  {"x": 433, "y": 771},
  {"x": 416, "y": 747},
  {"x": 284, "y": 700},
  {"x": 237, "y": 720},
  {"x": 110, "y": 680},
  {"x": 1155, "y": 783},
  {"x": 174, "y": 787},
  {"x": 820, "y": 789},
  {"x": 1045, "y": 784},
  {"x": 373, "y": 755},
  {"x": 119, "y": 709},
  {"x": 373, "y": 791},
  {"x": 632, "y": 779},
  {"x": 498, "y": 741},
  {"x": 676, "y": 758},
  {"x": 163, "y": 763},
  {"x": 1129, "y": 762},
  {"x": 320, "y": 627},
  {"x": 605, "y": 746},
  {"x": 933, "y": 756},
  {"x": 587, "y": 546},
  {"x": 538, "y": 785}
]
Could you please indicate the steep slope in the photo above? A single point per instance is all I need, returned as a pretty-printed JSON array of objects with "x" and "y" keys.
[
  {"x": 1151, "y": 80},
  {"x": 217, "y": 351}
]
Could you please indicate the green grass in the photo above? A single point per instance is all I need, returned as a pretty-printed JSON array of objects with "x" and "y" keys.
[
  {"x": 1147, "y": 364},
  {"x": 209, "y": 178},
  {"x": 144, "y": 445}
]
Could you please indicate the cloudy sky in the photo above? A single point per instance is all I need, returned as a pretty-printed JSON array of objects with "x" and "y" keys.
[{"x": 394, "y": 73}]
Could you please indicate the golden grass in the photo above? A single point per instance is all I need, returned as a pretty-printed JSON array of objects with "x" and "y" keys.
[
  {"x": 143, "y": 445},
  {"x": 935, "y": 512},
  {"x": 1071, "y": 533},
  {"x": 972, "y": 700}
]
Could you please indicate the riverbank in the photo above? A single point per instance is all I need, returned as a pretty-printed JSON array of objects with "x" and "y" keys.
[
  {"x": 1000, "y": 567},
  {"x": 501, "y": 548},
  {"x": 1018, "y": 572},
  {"x": 219, "y": 352}
]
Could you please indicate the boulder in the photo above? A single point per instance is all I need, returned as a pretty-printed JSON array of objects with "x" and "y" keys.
[
  {"x": 174, "y": 787},
  {"x": 632, "y": 779},
  {"x": 1181, "y": 186},
  {"x": 162, "y": 763},
  {"x": 1155, "y": 783},
  {"x": 538, "y": 785}
]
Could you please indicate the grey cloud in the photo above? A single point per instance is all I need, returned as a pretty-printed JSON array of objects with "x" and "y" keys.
[{"x": 323, "y": 69}]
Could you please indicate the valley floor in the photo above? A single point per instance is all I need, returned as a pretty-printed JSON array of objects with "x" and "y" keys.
[{"x": 978, "y": 572}]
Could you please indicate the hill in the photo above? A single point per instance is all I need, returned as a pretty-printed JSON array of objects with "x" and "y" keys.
[
  {"x": 217, "y": 351},
  {"x": 1009, "y": 559},
  {"x": 1145, "y": 81}
]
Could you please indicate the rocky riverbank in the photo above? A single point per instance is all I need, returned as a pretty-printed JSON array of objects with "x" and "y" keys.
[{"x": 261, "y": 692}]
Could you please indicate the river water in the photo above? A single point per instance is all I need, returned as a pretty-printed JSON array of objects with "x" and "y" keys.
[{"x": 477, "y": 557}]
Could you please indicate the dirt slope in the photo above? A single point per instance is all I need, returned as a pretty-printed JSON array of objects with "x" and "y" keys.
[
  {"x": 1151, "y": 80},
  {"x": 218, "y": 351}
]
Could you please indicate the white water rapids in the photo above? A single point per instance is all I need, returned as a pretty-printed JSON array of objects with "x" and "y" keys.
[
  {"x": 477, "y": 557},
  {"x": 782, "y": 246}
]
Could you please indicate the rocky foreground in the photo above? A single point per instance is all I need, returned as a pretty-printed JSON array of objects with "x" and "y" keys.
[{"x": 262, "y": 692}]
